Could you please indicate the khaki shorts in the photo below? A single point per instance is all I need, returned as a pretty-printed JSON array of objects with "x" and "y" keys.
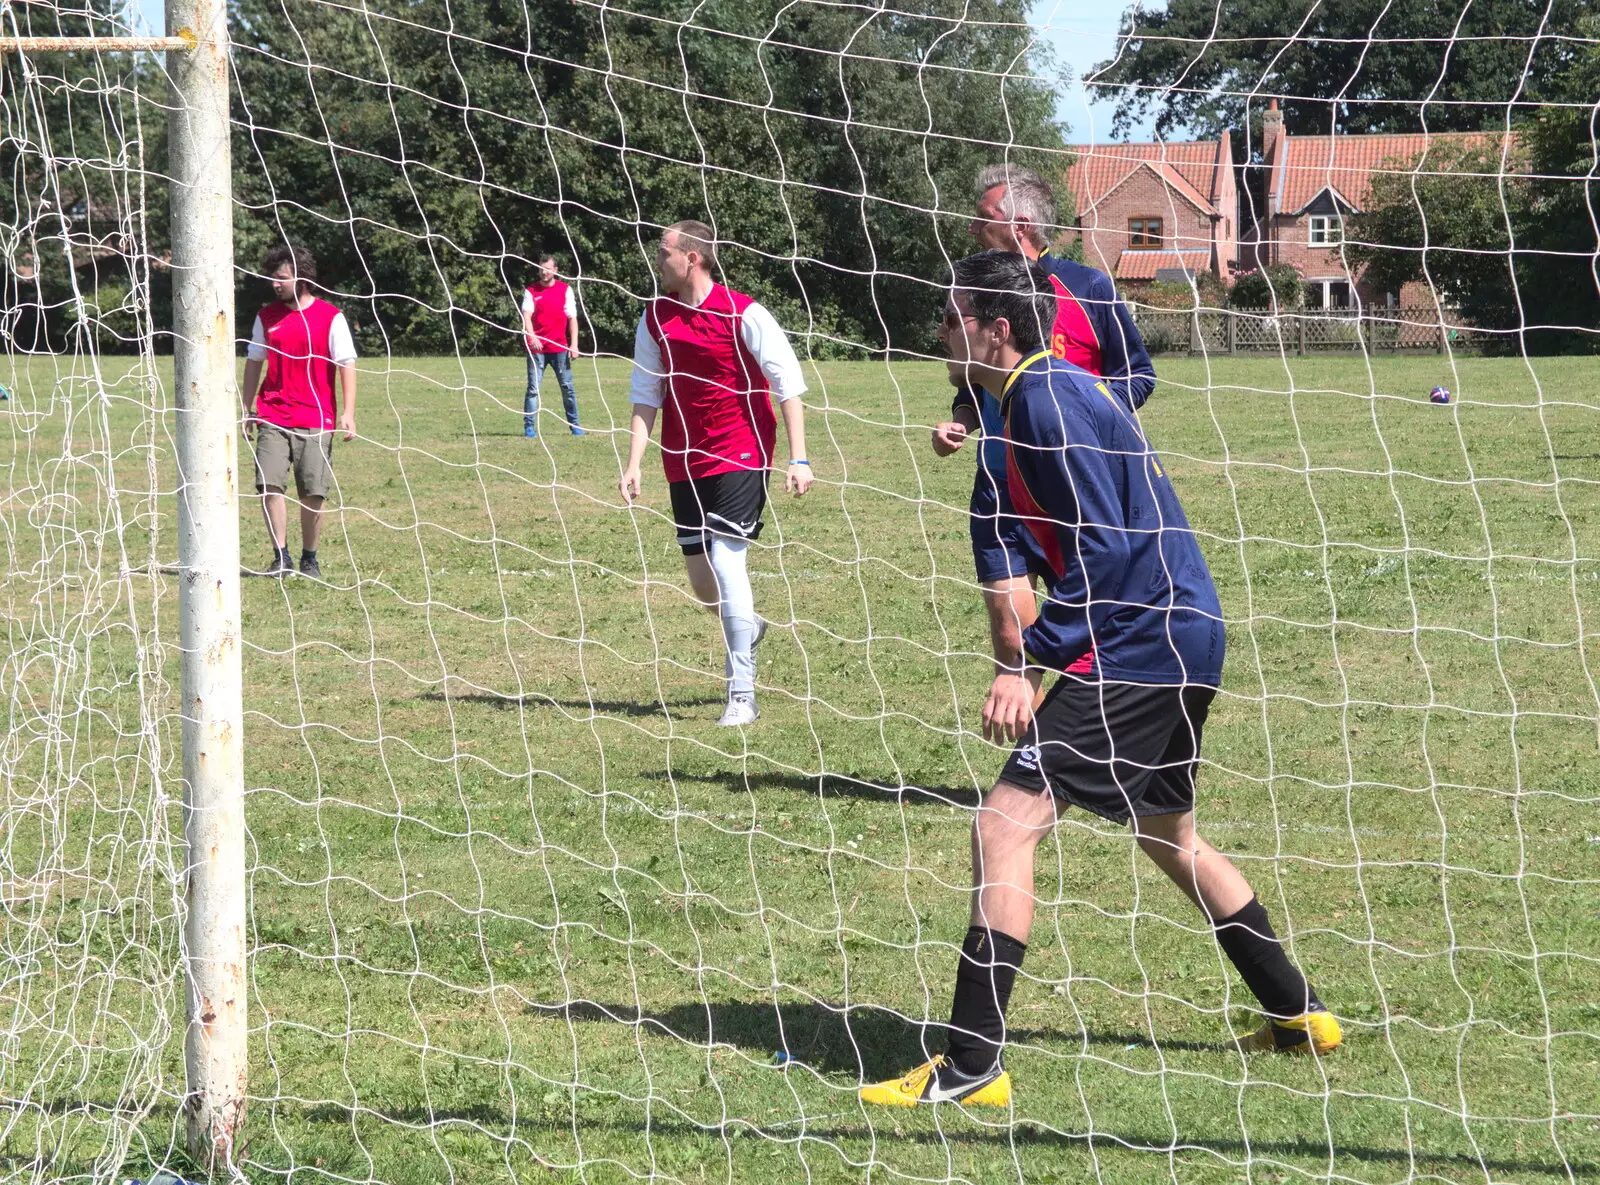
[{"x": 308, "y": 452}]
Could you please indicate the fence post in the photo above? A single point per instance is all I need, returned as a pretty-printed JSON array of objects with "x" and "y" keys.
[
  {"x": 1231, "y": 322},
  {"x": 207, "y": 403},
  {"x": 1196, "y": 336},
  {"x": 1300, "y": 324}
]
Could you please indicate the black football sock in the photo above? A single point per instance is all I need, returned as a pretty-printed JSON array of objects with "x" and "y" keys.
[
  {"x": 985, "y": 974},
  {"x": 308, "y": 554},
  {"x": 1247, "y": 938}
]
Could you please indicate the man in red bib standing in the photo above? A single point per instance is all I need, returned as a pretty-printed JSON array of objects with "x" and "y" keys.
[
  {"x": 710, "y": 361},
  {"x": 550, "y": 331},
  {"x": 305, "y": 342}
]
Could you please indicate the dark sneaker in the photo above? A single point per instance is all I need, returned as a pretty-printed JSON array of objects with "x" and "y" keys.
[
  {"x": 308, "y": 567},
  {"x": 279, "y": 566},
  {"x": 940, "y": 1082}
]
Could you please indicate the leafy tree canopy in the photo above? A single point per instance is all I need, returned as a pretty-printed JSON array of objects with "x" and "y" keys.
[
  {"x": 1200, "y": 66},
  {"x": 832, "y": 147}
]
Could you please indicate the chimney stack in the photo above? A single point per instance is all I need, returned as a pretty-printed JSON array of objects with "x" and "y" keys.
[{"x": 1271, "y": 132}]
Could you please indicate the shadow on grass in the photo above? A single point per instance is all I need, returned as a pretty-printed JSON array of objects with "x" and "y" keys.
[
  {"x": 577, "y": 707},
  {"x": 1032, "y": 1133},
  {"x": 831, "y": 785},
  {"x": 869, "y": 1043},
  {"x": 998, "y": 1132}
]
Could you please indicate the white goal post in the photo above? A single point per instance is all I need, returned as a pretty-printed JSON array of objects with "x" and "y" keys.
[{"x": 207, "y": 425}]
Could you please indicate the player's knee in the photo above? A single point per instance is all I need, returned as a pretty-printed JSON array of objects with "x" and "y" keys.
[
  {"x": 1162, "y": 850},
  {"x": 996, "y": 835}
]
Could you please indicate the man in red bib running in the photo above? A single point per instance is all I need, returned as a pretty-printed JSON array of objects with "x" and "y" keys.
[
  {"x": 711, "y": 360},
  {"x": 550, "y": 332},
  {"x": 304, "y": 342}
]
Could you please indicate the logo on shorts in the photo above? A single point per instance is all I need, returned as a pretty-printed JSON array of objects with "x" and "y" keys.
[{"x": 1028, "y": 757}]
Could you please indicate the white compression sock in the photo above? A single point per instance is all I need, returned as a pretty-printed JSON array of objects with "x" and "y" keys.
[{"x": 737, "y": 608}]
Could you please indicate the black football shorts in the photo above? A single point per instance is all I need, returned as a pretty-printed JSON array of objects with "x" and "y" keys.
[
  {"x": 1115, "y": 749},
  {"x": 727, "y": 504}
]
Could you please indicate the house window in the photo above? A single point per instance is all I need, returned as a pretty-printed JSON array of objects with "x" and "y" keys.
[
  {"x": 1330, "y": 294},
  {"x": 1144, "y": 232},
  {"x": 1327, "y": 230}
]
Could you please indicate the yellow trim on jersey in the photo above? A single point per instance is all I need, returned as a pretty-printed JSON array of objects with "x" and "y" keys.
[
  {"x": 1020, "y": 367},
  {"x": 1138, "y": 424}
]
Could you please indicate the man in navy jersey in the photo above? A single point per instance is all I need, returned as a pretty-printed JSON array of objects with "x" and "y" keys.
[
  {"x": 1016, "y": 211},
  {"x": 1129, "y": 586}
]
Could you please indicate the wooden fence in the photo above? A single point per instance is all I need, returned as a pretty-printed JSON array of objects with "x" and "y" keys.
[{"x": 1303, "y": 331}]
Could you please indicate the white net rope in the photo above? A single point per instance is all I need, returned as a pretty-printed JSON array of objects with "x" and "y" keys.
[
  {"x": 91, "y": 862},
  {"x": 518, "y": 907}
]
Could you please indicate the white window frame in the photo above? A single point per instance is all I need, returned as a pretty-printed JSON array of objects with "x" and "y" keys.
[
  {"x": 1324, "y": 230},
  {"x": 1324, "y": 283}
]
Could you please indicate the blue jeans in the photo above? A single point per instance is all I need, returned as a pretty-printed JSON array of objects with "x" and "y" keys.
[{"x": 562, "y": 365}]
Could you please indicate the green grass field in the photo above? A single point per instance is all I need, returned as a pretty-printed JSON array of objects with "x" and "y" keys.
[{"x": 521, "y": 911}]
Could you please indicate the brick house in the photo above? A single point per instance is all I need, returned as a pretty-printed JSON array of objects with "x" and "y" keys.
[
  {"x": 1293, "y": 209},
  {"x": 1156, "y": 211}
]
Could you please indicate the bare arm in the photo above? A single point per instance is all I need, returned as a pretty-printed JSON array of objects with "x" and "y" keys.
[
  {"x": 247, "y": 391},
  {"x": 572, "y": 336},
  {"x": 952, "y": 434},
  {"x": 347, "y": 399},
  {"x": 644, "y": 422},
  {"x": 799, "y": 478}
]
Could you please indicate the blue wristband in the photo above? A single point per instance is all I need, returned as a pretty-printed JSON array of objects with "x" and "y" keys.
[{"x": 807, "y": 464}]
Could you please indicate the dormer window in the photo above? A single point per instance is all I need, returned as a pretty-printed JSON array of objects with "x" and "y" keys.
[
  {"x": 1326, "y": 230},
  {"x": 1144, "y": 232}
]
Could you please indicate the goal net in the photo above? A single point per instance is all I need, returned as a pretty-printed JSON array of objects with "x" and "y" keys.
[{"x": 518, "y": 907}]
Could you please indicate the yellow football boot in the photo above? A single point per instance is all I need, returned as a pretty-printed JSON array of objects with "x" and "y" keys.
[
  {"x": 938, "y": 1081},
  {"x": 1311, "y": 1032}
]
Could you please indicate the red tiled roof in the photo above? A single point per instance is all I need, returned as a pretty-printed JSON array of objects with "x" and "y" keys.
[
  {"x": 1306, "y": 165},
  {"x": 1143, "y": 265},
  {"x": 1194, "y": 168}
]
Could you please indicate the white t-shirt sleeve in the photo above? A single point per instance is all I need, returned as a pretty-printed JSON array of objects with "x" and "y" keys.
[
  {"x": 341, "y": 346},
  {"x": 257, "y": 350},
  {"x": 527, "y": 301},
  {"x": 572, "y": 302},
  {"x": 649, "y": 373},
  {"x": 769, "y": 346}
]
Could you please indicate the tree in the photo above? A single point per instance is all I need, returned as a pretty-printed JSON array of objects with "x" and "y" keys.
[
  {"x": 78, "y": 127},
  {"x": 1507, "y": 239},
  {"x": 1276, "y": 286},
  {"x": 427, "y": 161},
  {"x": 1349, "y": 66}
]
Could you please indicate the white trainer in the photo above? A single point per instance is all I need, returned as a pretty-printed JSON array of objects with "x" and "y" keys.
[{"x": 741, "y": 710}]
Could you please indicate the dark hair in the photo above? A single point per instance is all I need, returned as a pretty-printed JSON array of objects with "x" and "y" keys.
[
  {"x": 298, "y": 258},
  {"x": 696, "y": 236},
  {"x": 1004, "y": 284}
]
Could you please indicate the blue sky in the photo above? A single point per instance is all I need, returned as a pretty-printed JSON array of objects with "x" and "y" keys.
[{"x": 1082, "y": 32}]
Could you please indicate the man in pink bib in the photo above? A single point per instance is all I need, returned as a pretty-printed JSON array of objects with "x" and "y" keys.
[
  {"x": 550, "y": 332},
  {"x": 710, "y": 361},
  {"x": 305, "y": 342}
]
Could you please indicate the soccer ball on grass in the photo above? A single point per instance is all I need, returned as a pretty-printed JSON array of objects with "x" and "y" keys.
[{"x": 1440, "y": 395}]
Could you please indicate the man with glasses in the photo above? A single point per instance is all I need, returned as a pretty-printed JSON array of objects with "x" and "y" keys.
[
  {"x": 1092, "y": 329},
  {"x": 1128, "y": 585}
]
